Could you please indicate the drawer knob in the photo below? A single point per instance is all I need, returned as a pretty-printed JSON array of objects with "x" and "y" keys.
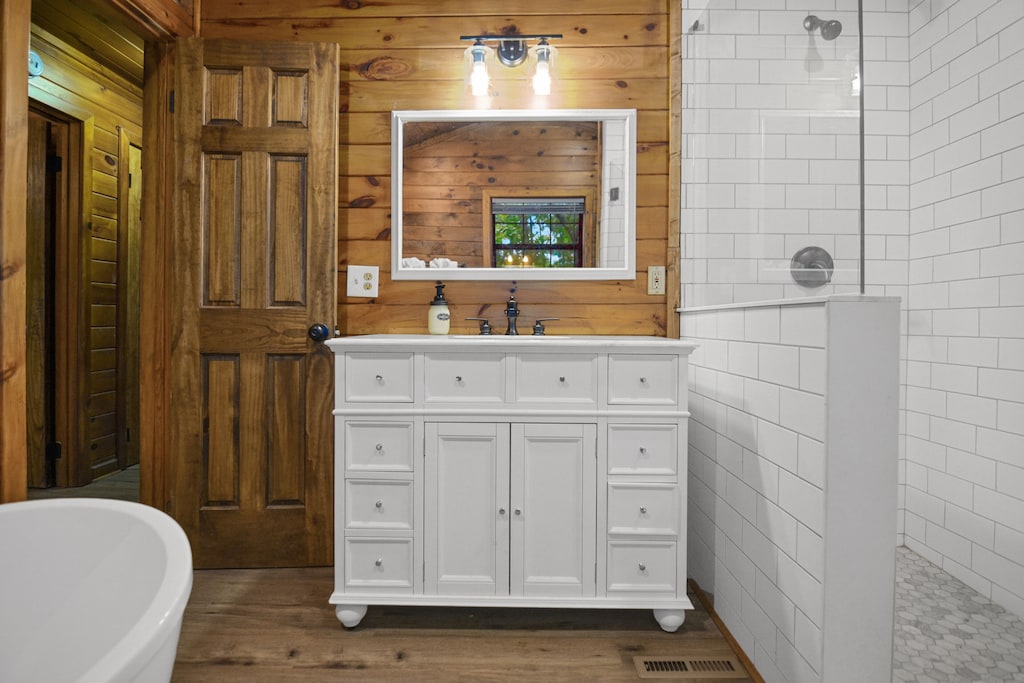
[
  {"x": 458, "y": 378},
  {"x": 379, "y": 504},
  {"x": 562, "y": 379},
  {"x": 379, "y": 378},
  {"x": 643, "y": 509},
  {"x": 643, "y": 380},
  {"x": 643, "y": 450},
  {"x": 379, "y": 562},
  {"x": 643, "y": 566},
  {"x": 379, "y": 447}
]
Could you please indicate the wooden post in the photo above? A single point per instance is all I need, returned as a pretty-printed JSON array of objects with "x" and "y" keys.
[{"x": 15, "y": 18}]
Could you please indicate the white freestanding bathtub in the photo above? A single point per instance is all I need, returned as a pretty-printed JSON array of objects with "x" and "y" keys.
[{"x": 90, "y": 590}]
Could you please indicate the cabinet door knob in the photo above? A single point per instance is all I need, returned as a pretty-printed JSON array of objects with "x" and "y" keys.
[
  {"x": 379, "y": 562},
  {"x": 501, "y": 511},
  {"x": 379, "y": 504},
  {"x": 379, "y": 378},
  {"x": 458, "y": 378},
  {"x": 643, "y": 450},
  {"x": 643, "y": 509},
  {"x": 643, "y": 566},
  {"x": 643, "y": 380},
  {"x": 379, "y": 447},
  {"x": 518, "y": 511}
]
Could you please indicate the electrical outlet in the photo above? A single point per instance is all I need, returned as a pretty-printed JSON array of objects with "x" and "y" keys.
[
  {"x": 656, "y": 279},
  {"x": 362, "y": 281}
]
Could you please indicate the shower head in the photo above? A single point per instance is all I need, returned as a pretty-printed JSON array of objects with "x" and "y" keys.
[{"x": 830, "y": 29}]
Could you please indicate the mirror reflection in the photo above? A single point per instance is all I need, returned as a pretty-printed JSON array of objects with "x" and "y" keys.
[{"x": 513, "y": 194}]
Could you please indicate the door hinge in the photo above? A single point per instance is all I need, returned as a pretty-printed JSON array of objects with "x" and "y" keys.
[
  {"x": 54, "y": 450},
  {"x": 170, "y": 102},
  {"x": 129, "y": 181}
]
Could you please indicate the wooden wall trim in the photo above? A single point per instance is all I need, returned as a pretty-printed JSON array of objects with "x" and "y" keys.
[
  {"x": 161, "y": 19},
  {"x": 127, "y": 305},
  {"x": 155, "y": 278},
  {"x": 673, "y": 283},
  {"x": 15, "y": 19}
]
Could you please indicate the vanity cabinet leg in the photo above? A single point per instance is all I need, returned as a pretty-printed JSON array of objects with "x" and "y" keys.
[
  {"x": 350, "y": 615},
  {"x": 670, "y": 619}
]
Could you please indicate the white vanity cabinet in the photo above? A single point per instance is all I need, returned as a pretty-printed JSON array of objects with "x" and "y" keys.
[{"x": 511, "y": 471}]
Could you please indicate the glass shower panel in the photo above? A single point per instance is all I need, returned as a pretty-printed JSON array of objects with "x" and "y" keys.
[{"x": 772, "y": 151}]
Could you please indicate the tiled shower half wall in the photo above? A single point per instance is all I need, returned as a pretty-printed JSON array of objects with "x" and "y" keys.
[{"x": 771, "y": 148}]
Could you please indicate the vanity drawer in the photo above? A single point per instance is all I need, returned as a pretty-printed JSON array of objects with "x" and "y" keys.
[
  {"x": 643, "y": 509},
  {"x": 378, "y": 504},
  {"x": 643, "y": 379},
  {"x": 562, "y": 378},
  {"x": 641, "y": 567},
  {"x": 378, "y": 564},
  {"x": 378, "y": 446},
  {"x": 460, "y": 377},
  {"x": 379, "y": 377},
  {"x": 649, "y": 449}
]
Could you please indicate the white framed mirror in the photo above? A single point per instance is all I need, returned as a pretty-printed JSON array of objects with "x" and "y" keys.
[{"x": 513, "y": 194}]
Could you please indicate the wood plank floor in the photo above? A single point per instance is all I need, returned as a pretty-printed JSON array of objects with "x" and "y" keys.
[{"x": 276, "y": 625}]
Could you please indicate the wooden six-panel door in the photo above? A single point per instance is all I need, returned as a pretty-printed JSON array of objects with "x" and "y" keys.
[{"x": 254, "y": 268}]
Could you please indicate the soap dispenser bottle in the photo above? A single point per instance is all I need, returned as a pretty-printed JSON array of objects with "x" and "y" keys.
[{"x": 439, "y": 317}]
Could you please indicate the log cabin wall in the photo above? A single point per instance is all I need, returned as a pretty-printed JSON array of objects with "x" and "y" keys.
[
  {"x": 406, "y": 54},
  {"x": 93, "y": 72}
]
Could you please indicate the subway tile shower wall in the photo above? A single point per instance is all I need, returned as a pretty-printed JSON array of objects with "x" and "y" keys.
[
  {"x": 771, "y": 147},
  {"x": 964, "y": 371}
]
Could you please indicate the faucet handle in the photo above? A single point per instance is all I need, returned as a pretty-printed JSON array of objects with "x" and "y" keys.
[
  {"x": 485, "y": 325},
  {"x": 538, "y": 327}
]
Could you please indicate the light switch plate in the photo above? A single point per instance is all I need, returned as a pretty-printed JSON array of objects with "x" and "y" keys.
[
  {"x": 363, "y": 281},
  {"x": 656, "y": 280}
]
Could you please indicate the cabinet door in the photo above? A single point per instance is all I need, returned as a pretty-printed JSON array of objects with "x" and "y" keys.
[
  {"x": 553, "y": 521},
  {"x": 466, "y": 509}
]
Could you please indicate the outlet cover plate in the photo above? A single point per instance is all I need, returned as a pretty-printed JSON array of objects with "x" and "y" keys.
[
  {"x": 362, "y": 281},
  {"x": 656, "y": 280}
]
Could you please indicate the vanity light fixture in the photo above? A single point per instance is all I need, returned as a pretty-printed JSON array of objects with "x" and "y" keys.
[{"x": 511, "y": 51}]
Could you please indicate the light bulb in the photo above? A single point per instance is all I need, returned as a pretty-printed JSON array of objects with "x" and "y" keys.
[
  {"x": 526, "y": 260},
  {"x": 479, "y": 79},
  {"x": 542, "y": 74}
]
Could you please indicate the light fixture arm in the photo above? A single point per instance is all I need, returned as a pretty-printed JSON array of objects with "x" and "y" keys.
[{"x": 511, "y": 48}]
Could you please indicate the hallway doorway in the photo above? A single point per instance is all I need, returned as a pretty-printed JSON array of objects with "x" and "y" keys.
[{"x": 82, "y": 365}]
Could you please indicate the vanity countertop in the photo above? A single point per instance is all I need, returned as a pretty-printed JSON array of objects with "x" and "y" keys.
[{"x": 382, "y": 342}]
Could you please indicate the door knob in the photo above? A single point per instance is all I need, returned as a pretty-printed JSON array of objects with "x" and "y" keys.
[{"x": 319, "y": 332}]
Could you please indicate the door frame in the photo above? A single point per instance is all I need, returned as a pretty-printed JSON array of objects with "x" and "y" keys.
[
  {"x": 71, "y": 284},
  {"x": 128, "y": 272},
  {"x": 158, "y": 194},
  {"x": 15, "y": 19}
]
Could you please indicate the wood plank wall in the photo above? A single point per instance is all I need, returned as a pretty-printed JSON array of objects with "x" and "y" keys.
[
  {"x": 78, "y": 84},
  {"x": 406, "y": 54}
]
